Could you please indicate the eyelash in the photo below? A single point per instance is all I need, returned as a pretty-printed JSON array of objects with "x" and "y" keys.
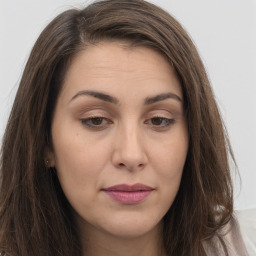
[
  {"x": 88, "y": 122},
  {"x": 167, "y": 121}
]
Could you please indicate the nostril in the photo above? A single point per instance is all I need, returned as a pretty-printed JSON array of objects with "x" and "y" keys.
[{"x": 122, "y": 165}]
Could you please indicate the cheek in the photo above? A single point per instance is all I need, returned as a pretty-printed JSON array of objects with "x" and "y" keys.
[
  {"x": 75, "y": 146},
  {"x": 79, "y": 159},
  {"x": 78, "y": 168},
  {"x": 171, "y": 156},
  {"x": 169, "y": 160},
  {"x": 168, "y": 165}
]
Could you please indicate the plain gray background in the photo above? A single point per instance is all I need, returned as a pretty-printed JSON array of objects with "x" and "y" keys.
[{"x": 225, "y": 34}]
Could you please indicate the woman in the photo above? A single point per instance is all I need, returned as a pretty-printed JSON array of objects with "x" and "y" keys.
[{"x": 115, "y": 145}]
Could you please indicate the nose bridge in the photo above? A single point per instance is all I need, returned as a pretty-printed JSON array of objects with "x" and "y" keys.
[
  {"x": 131, "y": 137},
  {"x": 129, "y": 148}
]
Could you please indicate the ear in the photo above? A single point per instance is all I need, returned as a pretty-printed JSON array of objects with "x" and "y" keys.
[{"x": 49, "y": 158}]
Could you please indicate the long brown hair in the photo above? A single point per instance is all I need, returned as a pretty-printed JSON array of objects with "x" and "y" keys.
[{"x": 35, "y": 216}]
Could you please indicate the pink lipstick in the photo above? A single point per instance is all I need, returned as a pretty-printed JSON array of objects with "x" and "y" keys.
[{"x": 129, "y": 194}]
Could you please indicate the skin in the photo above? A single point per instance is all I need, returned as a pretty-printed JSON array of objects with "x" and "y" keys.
[{"x": 129, "y": 142}]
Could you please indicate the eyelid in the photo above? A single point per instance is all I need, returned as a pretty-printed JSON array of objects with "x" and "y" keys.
[
  {"x": 162, "y": 113},
  {"x": 167, "y": 109},
  {"x": 86, "y": 122},
  {"x": 168, "y": 122},
  {"x": 94, "y": 111},
  {"x": 93, "y": 108}
]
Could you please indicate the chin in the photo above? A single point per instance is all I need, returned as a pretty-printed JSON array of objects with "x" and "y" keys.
[{"x": 131, "y": 226}]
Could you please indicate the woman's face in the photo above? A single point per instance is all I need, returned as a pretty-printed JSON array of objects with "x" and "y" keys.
[{"x": 120, "y": 139}]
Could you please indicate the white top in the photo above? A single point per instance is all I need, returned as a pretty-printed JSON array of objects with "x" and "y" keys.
[
  {"x": 231, "y": 236},
  {"x": 247, "y": 222}
]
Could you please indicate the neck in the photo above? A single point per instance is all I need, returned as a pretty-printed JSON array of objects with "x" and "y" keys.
[{"x": 97, "y": 243}]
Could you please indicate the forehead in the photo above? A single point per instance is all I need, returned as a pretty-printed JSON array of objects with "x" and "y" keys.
[{"x": 114, "y": 65}]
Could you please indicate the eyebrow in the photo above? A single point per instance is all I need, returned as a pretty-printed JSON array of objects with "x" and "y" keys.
[
  {"x": 98, "y": 95},
  {"x": 114, "y": 100},
  {"x": 161, "y": 97}
]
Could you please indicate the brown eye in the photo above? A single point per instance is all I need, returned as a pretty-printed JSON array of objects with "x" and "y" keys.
[
  {"x": 157, "y": 121},
  {"x": 160, "y": 122},
  {"x": 96, "y": 122}
]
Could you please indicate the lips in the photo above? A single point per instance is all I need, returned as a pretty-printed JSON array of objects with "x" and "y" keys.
[{"x": 128, "y": 194}]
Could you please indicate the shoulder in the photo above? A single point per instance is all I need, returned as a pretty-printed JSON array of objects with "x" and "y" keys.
[
  {"x": 247, "y": 222},
  {"x": 228, "y": 241}
]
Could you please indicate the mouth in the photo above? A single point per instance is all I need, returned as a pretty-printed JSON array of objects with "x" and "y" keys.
[{"x": 128, "y": 194}]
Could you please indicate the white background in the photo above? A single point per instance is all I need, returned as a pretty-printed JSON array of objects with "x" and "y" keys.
[{"x": 225, "y": 34}]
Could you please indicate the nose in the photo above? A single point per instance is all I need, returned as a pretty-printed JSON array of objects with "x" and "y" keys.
[{"x": 129, "y": 149}]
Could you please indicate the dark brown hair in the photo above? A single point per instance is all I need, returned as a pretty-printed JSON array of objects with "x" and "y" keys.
[{"x": 35, "y": 216}]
